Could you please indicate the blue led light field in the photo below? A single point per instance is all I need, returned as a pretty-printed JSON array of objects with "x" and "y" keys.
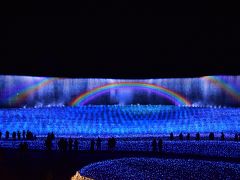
[
  {"x": 132, "y": 120},
  {"x": 154, "y": 168}
]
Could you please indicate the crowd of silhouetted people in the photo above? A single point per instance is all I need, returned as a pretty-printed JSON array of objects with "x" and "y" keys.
[
  {"x": 19, "y": 135},
  {"x": 156, "y": 144},
  {"x": 69, "y": 144},
  {"x": 197, "y": 137}
]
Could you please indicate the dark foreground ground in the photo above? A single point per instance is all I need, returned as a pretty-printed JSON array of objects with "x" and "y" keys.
[{"x": 59, "y": 165}]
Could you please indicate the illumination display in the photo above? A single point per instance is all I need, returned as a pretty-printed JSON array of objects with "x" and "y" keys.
[
  {"x": 128, "y": 120},
  {"x": 156, "y": 168},
  {"x": 26, "y": 91},
  {"x": 106, "y": 107}
]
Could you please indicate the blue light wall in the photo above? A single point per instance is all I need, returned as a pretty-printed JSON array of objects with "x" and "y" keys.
[{"x": 27, "y": 91}]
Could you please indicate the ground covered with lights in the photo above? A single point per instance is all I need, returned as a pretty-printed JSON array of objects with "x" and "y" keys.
[
  {"x": 156, "y": 168},
  {"x": 119, "y": 121},
  {"x": 216, "y": 148}
]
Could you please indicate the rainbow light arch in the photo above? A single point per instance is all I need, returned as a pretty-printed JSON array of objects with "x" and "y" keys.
[
  {"x": 24, "y": 93},
  {"x": 216, "y": 80},
  {"x": 176, "y": 98}
]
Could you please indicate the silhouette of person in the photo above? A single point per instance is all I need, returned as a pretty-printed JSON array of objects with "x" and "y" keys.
[
  {"x": 236, "y": 137},
  {"x": 60, "y": 144},
  {"x": 76, "y": 145},
  {"x": 181, "y": 136},
  {"x": 222, "y": 136},
  {"x": 188, "y": 136},
  {"x": 27, "y": 135},
  {"x": 18, "y": 135},
  {"x": 92, "y": 145},
  {"x": 113, "y": 143},
  {"x": 211, "y": 136},
  {"x": 99, "y": 141},
  {"x": 65, "y": 145},
  {"x": 109, "y": 144},
  {"x": 24, "y": 134},
  {"x": 154, "y": 145},
  {"x": 171, "y": 136},
  {"x": 197, "y": 136},
  {"x": 14, "y": 135},
  {"x": 7, "y": 135},
  {"x": 52, "y": 136},
  {"x": 70, "y": 143},
  {"x": 160, "y": 145},
  {"x": 48, "y": 143}
]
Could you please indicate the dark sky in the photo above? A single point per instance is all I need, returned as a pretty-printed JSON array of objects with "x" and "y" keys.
[{"x": 120, "y": 40}]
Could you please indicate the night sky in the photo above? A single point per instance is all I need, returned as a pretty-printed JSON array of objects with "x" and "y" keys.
[{"x": 120, "y": 40}]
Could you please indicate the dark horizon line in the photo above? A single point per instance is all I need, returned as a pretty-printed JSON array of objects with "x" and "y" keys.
[{"x": 86, "y": 76}]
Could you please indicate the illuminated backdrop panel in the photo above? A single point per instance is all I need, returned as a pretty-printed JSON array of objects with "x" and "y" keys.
[{"x": 27, "y": 91}]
